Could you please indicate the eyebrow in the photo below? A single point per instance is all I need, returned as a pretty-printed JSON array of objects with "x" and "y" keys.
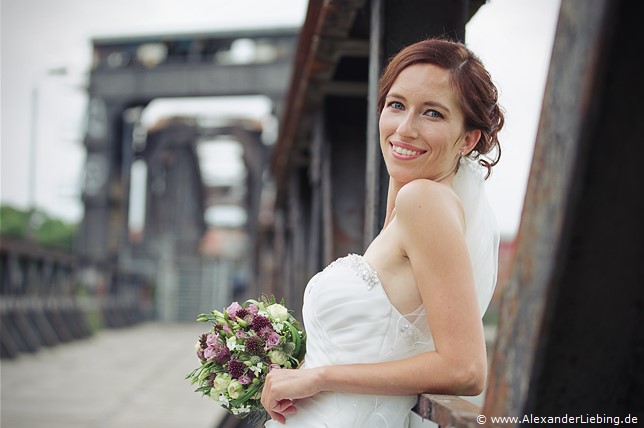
[{"x": 426, "y": 103}]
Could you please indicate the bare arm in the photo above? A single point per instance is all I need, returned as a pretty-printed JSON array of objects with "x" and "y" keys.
[{"x": 431, "y": 235}]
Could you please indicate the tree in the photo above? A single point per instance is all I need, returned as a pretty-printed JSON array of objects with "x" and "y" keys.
[
  {"x": 47, "y": 231},
  {"x": 13, "y": 222}
]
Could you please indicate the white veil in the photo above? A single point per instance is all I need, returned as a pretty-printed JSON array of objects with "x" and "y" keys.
[{"x": 481, "y": 230}]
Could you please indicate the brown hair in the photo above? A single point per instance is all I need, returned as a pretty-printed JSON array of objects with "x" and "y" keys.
[{"x": 477, "y": 94}]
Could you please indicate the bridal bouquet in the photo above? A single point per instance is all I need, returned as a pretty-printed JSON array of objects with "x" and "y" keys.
[{"x": 245, "y": 343}]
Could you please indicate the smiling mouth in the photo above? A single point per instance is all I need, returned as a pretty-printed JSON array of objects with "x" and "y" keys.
[{"x": 405, "y": 151}]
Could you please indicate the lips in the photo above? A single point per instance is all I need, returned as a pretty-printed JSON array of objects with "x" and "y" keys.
[{"x": 405, "y": 151}]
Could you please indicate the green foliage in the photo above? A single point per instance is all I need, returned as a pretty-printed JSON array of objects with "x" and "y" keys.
[
  {"x": 46, "y": 230},
  {"x": 13, "y": 222}
]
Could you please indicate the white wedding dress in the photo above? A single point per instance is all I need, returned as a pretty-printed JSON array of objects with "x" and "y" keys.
[{"x": 349, "y": 319}]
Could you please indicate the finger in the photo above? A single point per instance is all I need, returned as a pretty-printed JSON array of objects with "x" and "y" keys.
[
  {"x": 291, "y": 410},
  {"x": 282, "y": 404},
  {"x": 277, "y": 416}
]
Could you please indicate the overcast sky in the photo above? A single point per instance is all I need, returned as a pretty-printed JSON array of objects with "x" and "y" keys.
[{"x": 512, "y": 37}]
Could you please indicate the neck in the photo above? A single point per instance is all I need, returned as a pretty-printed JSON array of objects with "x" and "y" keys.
[{"x": 392, "y": 192}]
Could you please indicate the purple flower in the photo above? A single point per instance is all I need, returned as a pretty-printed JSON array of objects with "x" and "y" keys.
[
  {"x": 265, "y": 332},
  {"x": 273, "y": 367},
  {"x": 202, "y": 341},
  {"x": 241, "y": 313},
  {"x": 212, "y": 339},
  {"x": 200, "y": 354},
  {"x": 236, "y": 368},
  {"x": 244, "y": 380},
  {"x": 241, "y": 334},
  {"x": 253, "y": 309},
  {"x": 220, "y": 353},
  {"x": 209, "y": 354},
  {"x": 259, "y": 322},
  {"x": 232, "y": 309},
  {"x": 226, "y": 329},
  {"x": 272, "y": 340},
  {"x": 254, "y": 345}
]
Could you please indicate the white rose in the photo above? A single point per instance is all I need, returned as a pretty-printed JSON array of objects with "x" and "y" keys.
[
  {"x": 235, "y": 389},
  {"x": 277, "y": 357},
  {"x": 278, "y": 312},
  {"x": 221, "y": 383}
]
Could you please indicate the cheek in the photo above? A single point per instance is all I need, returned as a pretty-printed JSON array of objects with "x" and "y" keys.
[{"x": 386, "y": 125}]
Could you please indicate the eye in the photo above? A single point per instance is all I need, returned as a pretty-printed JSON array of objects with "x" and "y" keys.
[
  {"x": 396, "y": 105},
  {"x": 433, "y": 114}
]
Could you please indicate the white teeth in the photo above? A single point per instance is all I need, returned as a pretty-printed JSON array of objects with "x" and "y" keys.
[{"x": 405, "y": 152}]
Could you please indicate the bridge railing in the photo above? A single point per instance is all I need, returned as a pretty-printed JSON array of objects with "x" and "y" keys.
[{"x": 45, "y": 301}]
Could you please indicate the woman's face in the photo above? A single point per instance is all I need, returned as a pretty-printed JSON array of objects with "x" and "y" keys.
[{"x": 421, "y": 126}]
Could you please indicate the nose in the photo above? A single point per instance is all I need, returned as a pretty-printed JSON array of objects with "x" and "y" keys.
[{"x": 407, "y": 125}]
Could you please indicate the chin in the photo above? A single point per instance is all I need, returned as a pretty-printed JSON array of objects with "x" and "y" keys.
[{"x": 403, "y": 177}]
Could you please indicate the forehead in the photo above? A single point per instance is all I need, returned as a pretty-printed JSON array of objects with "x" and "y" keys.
[{"x": 426, "y": 80}]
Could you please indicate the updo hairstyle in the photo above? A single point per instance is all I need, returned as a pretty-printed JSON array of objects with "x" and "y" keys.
[{"x": 477, "y": 95}]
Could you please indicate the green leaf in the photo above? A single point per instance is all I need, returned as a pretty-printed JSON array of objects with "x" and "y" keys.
[{"x": 244, "y": 398}]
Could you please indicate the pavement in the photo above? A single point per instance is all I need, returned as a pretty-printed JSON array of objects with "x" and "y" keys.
[{"x": 126, "y": 378}]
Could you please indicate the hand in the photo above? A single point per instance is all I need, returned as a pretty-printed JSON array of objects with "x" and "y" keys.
[{"x": 283, "y": 386}]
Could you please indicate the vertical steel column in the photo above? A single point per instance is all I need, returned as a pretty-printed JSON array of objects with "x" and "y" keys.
[
  {"x": 396, "y": 24},
  {"x": 570, "y": 339}
]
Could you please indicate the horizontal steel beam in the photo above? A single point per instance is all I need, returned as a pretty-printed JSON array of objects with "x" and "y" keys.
[{"x": 194, "y": 81}]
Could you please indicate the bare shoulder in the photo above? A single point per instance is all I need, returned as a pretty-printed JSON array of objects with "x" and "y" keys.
[{"x": 426, "y": 200}]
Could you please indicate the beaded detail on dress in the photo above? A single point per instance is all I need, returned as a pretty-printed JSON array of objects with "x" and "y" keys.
[
  {"x": 360, "y": 266},
  {"x": 349, "y": 319},
  {"x": 407, "y": 329}
]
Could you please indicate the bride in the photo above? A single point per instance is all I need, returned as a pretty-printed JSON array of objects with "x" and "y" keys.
[{"x": 405, "y": 318}]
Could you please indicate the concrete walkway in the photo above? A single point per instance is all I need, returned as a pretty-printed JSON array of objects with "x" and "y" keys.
[{"x": 125, "y": 378}]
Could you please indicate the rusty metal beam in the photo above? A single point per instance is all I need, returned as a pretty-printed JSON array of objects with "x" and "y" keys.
[
  {"x": 327, "y": 24},
  {"x": 570, "y": 339}
]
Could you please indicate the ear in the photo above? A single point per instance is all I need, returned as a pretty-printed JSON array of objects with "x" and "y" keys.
[{"x": 470, "y": 140}]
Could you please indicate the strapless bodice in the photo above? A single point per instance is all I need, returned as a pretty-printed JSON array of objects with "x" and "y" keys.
[{"x": 349, "y": 320}]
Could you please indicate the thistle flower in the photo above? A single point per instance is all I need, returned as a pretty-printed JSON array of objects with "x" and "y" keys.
[
  {"x": 236, "y": 368},
  {"x": 202, "y": 341},
  {"x": 254, "y": 345},
  {"x": 265, "y": 332},
  {"x": 259, "y": 322}
]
